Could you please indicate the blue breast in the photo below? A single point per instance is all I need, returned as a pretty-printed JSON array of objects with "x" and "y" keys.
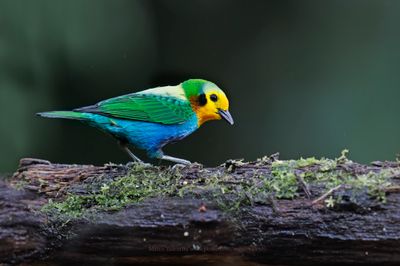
[{"x": 147, "y": 136}]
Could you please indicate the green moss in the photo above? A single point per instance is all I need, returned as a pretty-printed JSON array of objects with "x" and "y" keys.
[
  {"x": 138, "y": 184},
  {"x": 286, "y": 174},
  {"x": 229, "y": 191},
  {"x": 284, "y": 183},
  {"x": 326, "y": 173}
]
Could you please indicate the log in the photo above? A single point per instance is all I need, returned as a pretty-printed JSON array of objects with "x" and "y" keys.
[{"x": 248, "y": 213}]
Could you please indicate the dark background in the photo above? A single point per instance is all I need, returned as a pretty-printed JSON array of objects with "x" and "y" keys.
[{"x": 305, "y": 78}]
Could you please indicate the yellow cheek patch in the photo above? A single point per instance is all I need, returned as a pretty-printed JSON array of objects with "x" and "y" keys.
[
  {"x": 209, "y": 111},
  {"x": 204, "y": 115}
]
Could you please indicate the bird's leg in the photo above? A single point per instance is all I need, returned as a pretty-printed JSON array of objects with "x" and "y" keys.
[
  {"x": 128, "y": 151},
  {"x": 133, "y": 156},
  {"x": 175, "y": 160}
]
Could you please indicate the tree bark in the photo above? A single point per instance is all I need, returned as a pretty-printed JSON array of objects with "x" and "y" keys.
[{"x": 163, "y": 228}]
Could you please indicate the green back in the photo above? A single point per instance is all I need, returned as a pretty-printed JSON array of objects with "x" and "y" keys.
[{"x": 144, "y": 107}]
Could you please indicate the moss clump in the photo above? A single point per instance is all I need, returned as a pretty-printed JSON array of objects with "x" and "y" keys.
[
  {"x": 279, "y": 179},
  {"x": 328, "y": 173},
  {"x": 284, "y": 183},
  {"x": 140, "y": 183},
  {"x": 286, "y": 174}
]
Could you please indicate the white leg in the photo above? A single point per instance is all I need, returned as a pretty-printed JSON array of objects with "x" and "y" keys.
[
  {"x": 175, "y": 160},
  {"x": 128, "y": 151}
]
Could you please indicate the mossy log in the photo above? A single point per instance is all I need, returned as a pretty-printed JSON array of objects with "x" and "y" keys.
[{"x": 269, "y": 211}]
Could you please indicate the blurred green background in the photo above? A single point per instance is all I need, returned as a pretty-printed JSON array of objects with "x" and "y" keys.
[{"x": 305, "y": 78}]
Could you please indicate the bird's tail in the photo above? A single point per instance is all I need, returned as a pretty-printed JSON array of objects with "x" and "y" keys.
[{"x": 65, "y": 115}]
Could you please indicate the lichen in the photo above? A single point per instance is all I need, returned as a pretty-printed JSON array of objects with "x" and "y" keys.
[{"x": 282, "y": 179}]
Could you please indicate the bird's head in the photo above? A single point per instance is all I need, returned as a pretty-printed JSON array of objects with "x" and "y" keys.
[{"x": 208, "y": 101}]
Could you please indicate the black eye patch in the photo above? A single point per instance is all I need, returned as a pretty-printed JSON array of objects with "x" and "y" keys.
[
  {"x": 202, "y": 99},
  {"x": 213, "y": 97}
]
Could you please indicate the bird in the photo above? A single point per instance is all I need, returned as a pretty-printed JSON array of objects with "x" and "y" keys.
[{"x": 150, "y": 119}]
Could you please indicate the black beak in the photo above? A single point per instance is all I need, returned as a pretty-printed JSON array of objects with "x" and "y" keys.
[{"x": 226, "y": 115}]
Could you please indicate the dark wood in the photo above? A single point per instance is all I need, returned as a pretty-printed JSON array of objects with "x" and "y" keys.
[
  {"x": 21, "y": 236},
  {"x": 289, "y": 232}
]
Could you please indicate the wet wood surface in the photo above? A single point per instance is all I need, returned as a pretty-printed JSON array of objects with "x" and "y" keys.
[{"x": 284, "y": 232}]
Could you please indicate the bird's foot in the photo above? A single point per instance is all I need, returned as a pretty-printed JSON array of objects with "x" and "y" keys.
[
  {"x": 178, "y": 166},
  {"x": 175, "y": 160}
]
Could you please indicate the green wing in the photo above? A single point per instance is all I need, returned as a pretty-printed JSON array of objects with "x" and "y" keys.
[{"x": 144, "y": 107}]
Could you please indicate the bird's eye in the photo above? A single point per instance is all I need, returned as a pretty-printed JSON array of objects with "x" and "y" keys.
[{"x": 213, "y": 97}]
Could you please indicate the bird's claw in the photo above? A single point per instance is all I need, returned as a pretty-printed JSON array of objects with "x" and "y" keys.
[{"x": 178, "y": 166}]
